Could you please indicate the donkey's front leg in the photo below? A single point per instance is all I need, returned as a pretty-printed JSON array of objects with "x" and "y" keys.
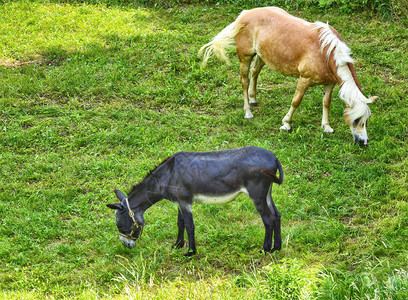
[
  {"x": 180, "y": 236},
  {"x": 186, "y": 210}
]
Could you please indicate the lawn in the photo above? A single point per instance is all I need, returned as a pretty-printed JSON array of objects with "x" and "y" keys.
[{"x": 94, "y": 96}]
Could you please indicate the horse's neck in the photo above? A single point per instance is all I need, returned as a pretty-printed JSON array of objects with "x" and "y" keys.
[
  {"x": 353, "y": 73},
  {"x": 350, "y": 90}
]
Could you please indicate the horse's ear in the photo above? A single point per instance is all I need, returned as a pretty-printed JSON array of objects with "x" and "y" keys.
[
  {"x": 115, "y": 206},
  {"x": 371, "y": 100},
  {"x": 121, "y": 196}
]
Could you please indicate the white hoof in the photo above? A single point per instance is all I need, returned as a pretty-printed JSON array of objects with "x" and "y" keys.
[
  {"x": 285, "y": 128},
  {"x": 248, "y": 115},
  {"x": 327, "y": 129}
]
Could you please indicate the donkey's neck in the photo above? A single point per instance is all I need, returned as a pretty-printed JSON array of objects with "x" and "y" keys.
[
  {"x": 152, "y": 188},
  {"x": 145, "y": 194}
]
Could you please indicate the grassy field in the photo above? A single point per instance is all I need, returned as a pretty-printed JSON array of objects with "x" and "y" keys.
[{"x": 93, "y": 97}]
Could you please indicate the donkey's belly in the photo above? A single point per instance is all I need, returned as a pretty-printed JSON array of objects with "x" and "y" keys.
[{"x": 218, "y": 199}]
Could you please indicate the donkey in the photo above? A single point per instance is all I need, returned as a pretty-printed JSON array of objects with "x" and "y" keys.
[
  {"x": 203, "y": 177},
  {"x": 313, "y": 52}
]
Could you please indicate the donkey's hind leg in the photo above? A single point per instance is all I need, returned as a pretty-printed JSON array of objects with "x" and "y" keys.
[
  {"x": 277, "y": 243},
  {"x": 256, "y": 69},
  {"x": 259, "y": 196}
]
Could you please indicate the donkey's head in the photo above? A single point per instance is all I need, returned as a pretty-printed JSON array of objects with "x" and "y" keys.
[
  {"x": 356, "y": 118},
  {"x": 130, "y": 228}
]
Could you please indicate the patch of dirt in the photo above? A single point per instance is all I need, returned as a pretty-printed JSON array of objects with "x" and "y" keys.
[{"x": 17, "y": 63}]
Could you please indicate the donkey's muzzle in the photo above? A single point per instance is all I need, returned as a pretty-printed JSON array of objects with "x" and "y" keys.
[{"x": 128, "y": 243}]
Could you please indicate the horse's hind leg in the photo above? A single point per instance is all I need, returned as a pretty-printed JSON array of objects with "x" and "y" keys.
[
  {"x": 327, "y": 89},
  {"x": 244, "y": 65},
  {"x": 256, "y": 68},
  {"x": 301, "y": 88}
]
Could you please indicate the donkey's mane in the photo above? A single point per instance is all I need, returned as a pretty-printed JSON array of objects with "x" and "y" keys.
[
  {"x": 350, "y": 91},
  {"x": 150, "y": 173}
]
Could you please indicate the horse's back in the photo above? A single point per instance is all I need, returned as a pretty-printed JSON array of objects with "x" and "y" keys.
[{"x": 284, "y": 42}]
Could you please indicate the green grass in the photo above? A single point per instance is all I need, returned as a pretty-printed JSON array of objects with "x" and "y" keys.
[{"x": 93, "y": 97}]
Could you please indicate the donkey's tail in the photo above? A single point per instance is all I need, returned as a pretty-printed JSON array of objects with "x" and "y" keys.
[
  {"x": 271, "y": 174},
  {"x": 221, "y": 42}
]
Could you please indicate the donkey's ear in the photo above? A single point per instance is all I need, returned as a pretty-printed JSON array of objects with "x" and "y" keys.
[
  {"x": 115, "y": 206},
  {"x": 121, "y": 196}
]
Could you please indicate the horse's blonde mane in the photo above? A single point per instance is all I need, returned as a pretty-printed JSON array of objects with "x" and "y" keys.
[{"x": 349, "y": 91}]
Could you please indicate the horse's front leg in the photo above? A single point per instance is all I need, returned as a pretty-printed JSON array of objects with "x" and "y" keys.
[
  {"x": 186, "y": 210},
  {"x": 301, "y": 88},
  {"x": 327, "y": 89},
  {"x": 180, "y": 236}
]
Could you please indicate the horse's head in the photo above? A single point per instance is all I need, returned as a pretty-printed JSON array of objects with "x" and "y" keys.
[
  {"x": 356, "y": 118},
  {"x": 129, "y": 227}
]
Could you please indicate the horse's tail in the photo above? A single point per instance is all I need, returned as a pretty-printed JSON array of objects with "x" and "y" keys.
[{"x": 220, "y": 43}]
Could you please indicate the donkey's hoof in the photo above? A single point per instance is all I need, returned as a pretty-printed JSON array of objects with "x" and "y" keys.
[
  {"x": 265, "y": 251},
  {"x": 177, "y": 245},
  {"x": 190, "y": 253}
]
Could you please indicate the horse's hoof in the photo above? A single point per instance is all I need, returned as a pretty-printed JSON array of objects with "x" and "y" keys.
[
  {"x": 285, "y": 129},
  {"x": 328, "y": 129},
  {"x": 253, "y": 104}
]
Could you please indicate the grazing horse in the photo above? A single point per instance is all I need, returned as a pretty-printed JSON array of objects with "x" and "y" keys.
[
  {"x": 313, "y": 52},
  {"x": 204, "y": 177}
]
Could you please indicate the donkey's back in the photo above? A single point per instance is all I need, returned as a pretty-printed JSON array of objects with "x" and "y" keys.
[{"x": 221, "y": 173}]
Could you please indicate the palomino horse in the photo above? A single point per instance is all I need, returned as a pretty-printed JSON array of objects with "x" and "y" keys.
[
  {"x": 204, "y": 177},
  {"x": 313, "y": 52}
]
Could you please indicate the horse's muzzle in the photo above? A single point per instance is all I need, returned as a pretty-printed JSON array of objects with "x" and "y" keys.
[{"x": 363, "y": 142}]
